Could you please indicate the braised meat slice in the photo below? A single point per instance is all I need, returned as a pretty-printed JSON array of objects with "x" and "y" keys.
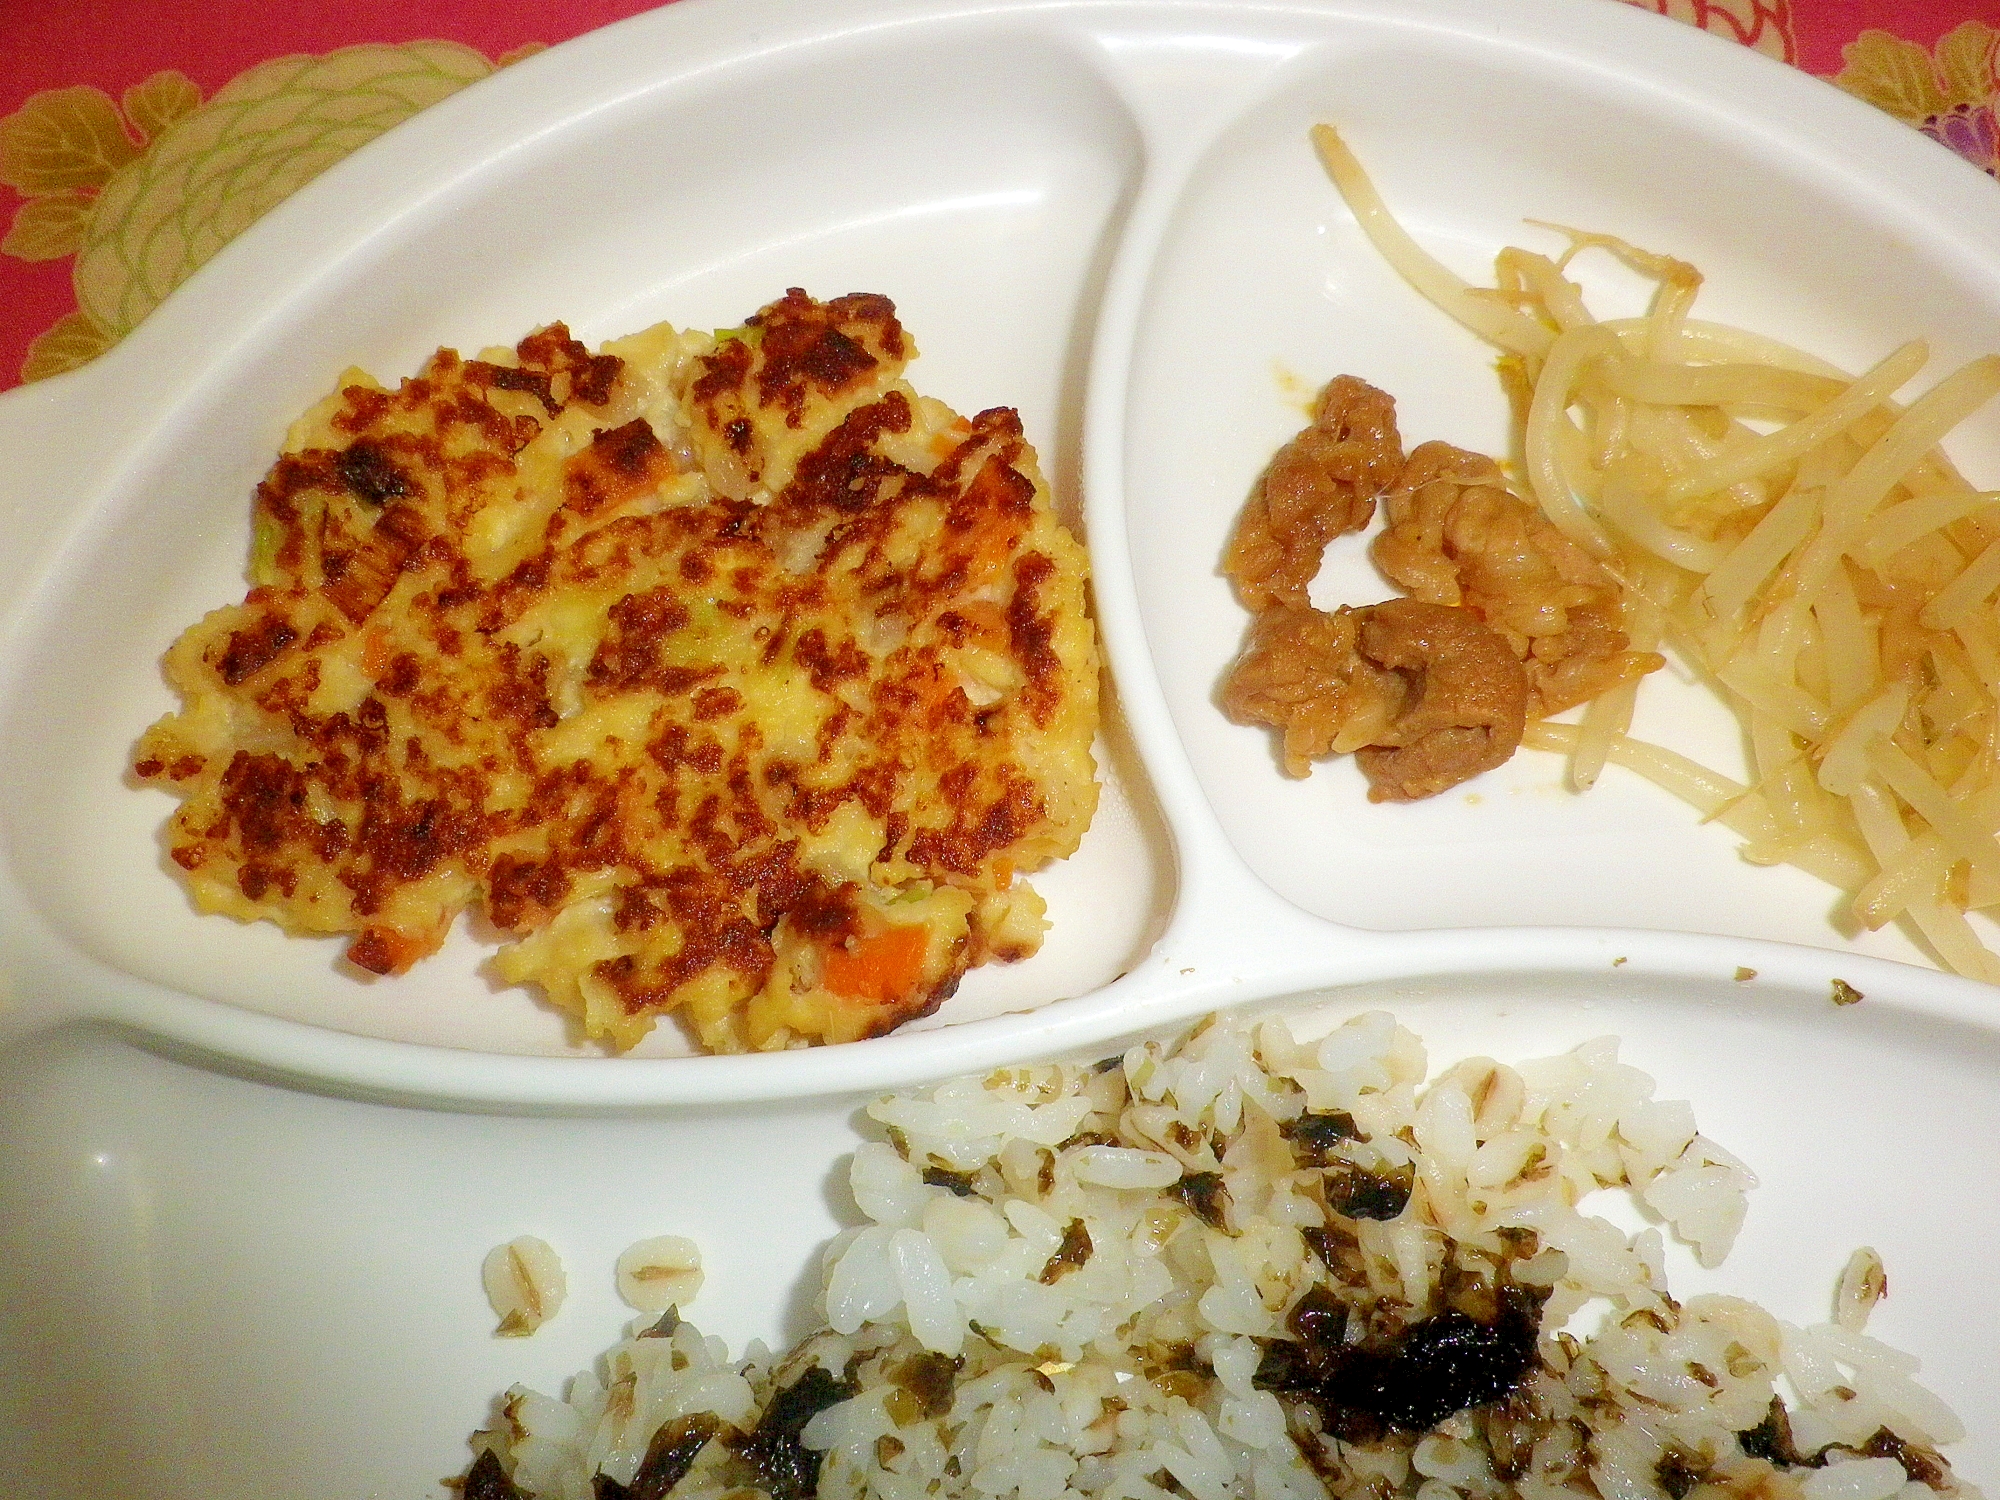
[
  {"x": 1457, "y": 536},
  {"x": 1322, "y": 484}
]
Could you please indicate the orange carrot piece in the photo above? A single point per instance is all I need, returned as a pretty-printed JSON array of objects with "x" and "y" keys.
[
  {"x": 887, "y": 966},
  {"x": 376, "y": 647}
]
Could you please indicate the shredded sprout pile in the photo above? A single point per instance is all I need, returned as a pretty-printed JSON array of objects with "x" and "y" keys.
[{"x": 1793, "y": 534}]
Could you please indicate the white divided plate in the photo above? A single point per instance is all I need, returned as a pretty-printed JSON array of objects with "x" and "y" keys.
[{"x": 234, "y": 1253}]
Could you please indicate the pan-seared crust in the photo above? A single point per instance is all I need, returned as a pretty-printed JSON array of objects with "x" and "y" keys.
[{"x": 768, "y": 754}]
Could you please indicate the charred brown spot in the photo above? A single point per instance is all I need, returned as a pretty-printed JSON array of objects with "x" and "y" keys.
[
  {"x": 573, "y": 369},
  {"x": 404, "y": 673},
  {"x": 370, "y": 474},
  {"x": 808, "y": 347},
  {"x": 1032, "y": 633},
  {"x": 845, "y": 473},
  {"x": 361, "y": 408},
  {"x": 980, "y": 826},
  {"x": 722, "y": 372},
  {"x": 254, "y": 648},
  {"x": 630, "y": 655},
  {"x": 521, "y": 893},
  {"x": 375, "y": 950},
  {"x": 829, "y": 664},
  {"x": 592, "y": 383},
  {"x": 619, "y": 464},
  {"x": 512, "y": 378},
  {"x": 264, "y": 797},
  {"x": 406, "y": 841},
  {"x": 364, "y": 577},
  {"x": 827, "y": 914},
  {"x": 707, "y": 911},
  {"x": 256, "y": 880},
  {"x": 520, "y": 690},
  {"x": 716, "y": 703}
]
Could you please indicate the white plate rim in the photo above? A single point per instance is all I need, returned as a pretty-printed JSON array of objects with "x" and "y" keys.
[{"x": 1195, "y": 965}]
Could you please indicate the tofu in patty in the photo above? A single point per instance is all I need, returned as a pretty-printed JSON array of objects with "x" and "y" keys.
[{"x": 734, "y": 679}]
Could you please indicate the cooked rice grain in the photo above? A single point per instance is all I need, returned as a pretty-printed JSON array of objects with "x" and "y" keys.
[{"x": 1242, "y": 1266}]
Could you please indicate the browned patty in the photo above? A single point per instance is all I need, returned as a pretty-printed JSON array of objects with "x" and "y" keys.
[{"x": 733, "y": 678}]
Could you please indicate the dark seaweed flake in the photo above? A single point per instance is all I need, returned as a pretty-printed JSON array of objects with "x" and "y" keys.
[
  {"x": 1314, "y": 1136},
  {"x": 1071, "y": 1253},
  {"x": 959, "y": 1182},
  {"x": 787, "y": 1469},
  {"x": 1339, "y": 1251},
  {"x": 1771, "y": 1439},
  {"x": 931, "y": 1379},
  {"x": 1444, "y": 1364},
  {"x": 1920, "y": 1463},
  {"x": 1358, "y": 1193},
  {"x": 1319, "y": 1322},
  {"x": 487, "y": 1480},
  {"x": 1206, "y": 1197},
  {"x": 671, "y": 1454},
  {"x": 1678, "y": 1473}
]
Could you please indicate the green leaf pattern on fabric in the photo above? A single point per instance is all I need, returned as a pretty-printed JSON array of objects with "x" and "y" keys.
[
  {"x": 62, "y": 140},
  {"x": 142, "y": 199},
  {"x": 48, "y": 228},
  {"x": 219, "y": 168},
  {"x": 162, "y": 99},
  {"x": 73, "y": 340}
]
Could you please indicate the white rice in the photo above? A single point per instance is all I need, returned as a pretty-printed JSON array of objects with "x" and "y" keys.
[{"x": 1238, "y": 1266}]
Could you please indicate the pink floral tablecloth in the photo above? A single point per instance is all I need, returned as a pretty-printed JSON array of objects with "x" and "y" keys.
[{"x": 138, "y": 136}]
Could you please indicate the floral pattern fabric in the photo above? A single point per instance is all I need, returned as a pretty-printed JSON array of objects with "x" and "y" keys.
[
  {"x": 1948, "y": 91},
  {"x": 118, "y": 180}
]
